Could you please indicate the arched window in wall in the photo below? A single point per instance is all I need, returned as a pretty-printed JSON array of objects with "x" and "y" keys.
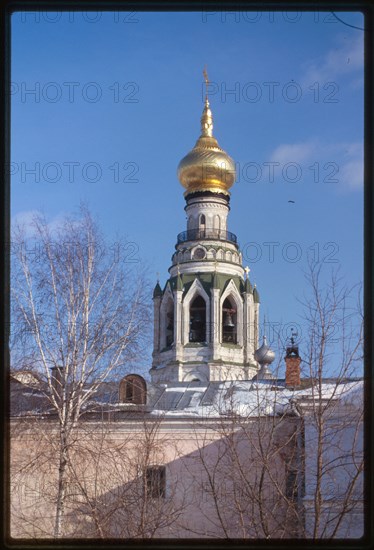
[
  {"x": 133, "y": 389},
  {"x": 198, "y": 320},
  {"x": 169, "y": 319},
  {"x": 229, "y": 322},
  {"x": 202, "y": 223}
]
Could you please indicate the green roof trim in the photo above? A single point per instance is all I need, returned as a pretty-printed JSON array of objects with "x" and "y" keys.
[
  {"x": 179, "y": 283},
  {"x": 207, "y": 281},
  {"x": 168, "y": 282},
  {"x": 157, "y": 292}
]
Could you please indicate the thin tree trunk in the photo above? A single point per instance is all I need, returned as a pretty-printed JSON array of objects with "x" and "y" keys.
[{"x": 61, "y": 487}]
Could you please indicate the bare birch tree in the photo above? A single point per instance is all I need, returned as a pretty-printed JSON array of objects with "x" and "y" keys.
[
  {"x": 333, "y": 356},
  {"x": 79, "y": 316},
  {"x": 241, "y": 465},
  {"x": 292, "y": 466},
  {"x": 115, "y": 478},
  {"x": 120, "y": 481}
]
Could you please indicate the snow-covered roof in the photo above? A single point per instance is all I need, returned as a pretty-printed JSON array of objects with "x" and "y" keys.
[
  {"x": 246, "y": 398},
  {"x": 27, "y": 378}
]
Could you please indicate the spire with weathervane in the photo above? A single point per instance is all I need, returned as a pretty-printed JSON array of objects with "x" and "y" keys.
[
  {"x": 207, "y": 167},
  {"x": 206, "y": 117}
]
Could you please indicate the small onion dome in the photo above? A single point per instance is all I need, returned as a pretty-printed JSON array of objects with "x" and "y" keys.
[
  {"x": 157, "y": 292},
  {"x": 264, "y": 355},
  {"x": 248, "y": 287},
  {"x": 256, "y": 296},
  {"x": 207, "y": 167}
]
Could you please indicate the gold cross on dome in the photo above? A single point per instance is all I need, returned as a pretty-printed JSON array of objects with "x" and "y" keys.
[
  {"x": 247, "y": 270},
  {"x": 205, "y": 75},
  {"x": 206, "y": 79}
]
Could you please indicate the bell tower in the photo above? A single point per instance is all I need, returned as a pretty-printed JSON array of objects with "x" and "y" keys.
[{"x": 206, "y": 316}]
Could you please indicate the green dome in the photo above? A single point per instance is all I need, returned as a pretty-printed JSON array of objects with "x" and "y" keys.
[{"x": 256, "y": 296}]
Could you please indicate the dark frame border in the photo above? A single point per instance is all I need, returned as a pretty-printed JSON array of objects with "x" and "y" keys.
[{"x": 10, "y": 6}]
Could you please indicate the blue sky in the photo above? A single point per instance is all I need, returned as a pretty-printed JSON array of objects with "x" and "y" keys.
[{"x": 117, "y": 104}]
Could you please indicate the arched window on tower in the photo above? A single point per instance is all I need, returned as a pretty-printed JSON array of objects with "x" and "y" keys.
[
  {"x": 229, "y": 322},
  {"x": 217, "y": 225},
  {"x": 202, "y": 224},
  {"x": 133, "y": 389},
  {"x": 169, "y": 324},
  {"x": 198, "y": 320}
]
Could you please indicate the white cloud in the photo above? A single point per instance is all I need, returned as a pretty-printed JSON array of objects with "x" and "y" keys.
[
  {"x": 350, "y": 159},
  {"x": 352, "y": 167},
  {"x": 352, "y": 174},
  {"x": 25, "y": 218},
  {"x": 347, "y": 156},
  {"x": 293, "y": 152},
  {"x": 347, "y": 58}
]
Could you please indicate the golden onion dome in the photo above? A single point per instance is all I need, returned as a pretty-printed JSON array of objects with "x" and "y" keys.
[{"x": 207, "y": 167}]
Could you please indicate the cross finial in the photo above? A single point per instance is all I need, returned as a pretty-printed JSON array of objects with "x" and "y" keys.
[
  {"x": 158, "y": 276},
  {"x": 264, "y": 326},
  {"x": 207, "y": 118},
  {"x": 206, "y": 81},
  {"x": 247, "y": 270}
]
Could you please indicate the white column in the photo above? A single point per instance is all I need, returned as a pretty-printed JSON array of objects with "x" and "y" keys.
[
  {"x": 216, "y": 328},
  {"x": 251, "y": 326},
  {"x": 246, "y": 328},
  {"x": 178, "y": 324},
  {"x": 256, "y": 318}
]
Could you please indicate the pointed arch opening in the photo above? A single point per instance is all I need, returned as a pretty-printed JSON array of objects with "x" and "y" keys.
[
  {"x": 202, "y": 224},
  {"x": 198, "y": 320},
  {"x": 229, "y": 322},
  {"x": 169, "y": 324}
]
